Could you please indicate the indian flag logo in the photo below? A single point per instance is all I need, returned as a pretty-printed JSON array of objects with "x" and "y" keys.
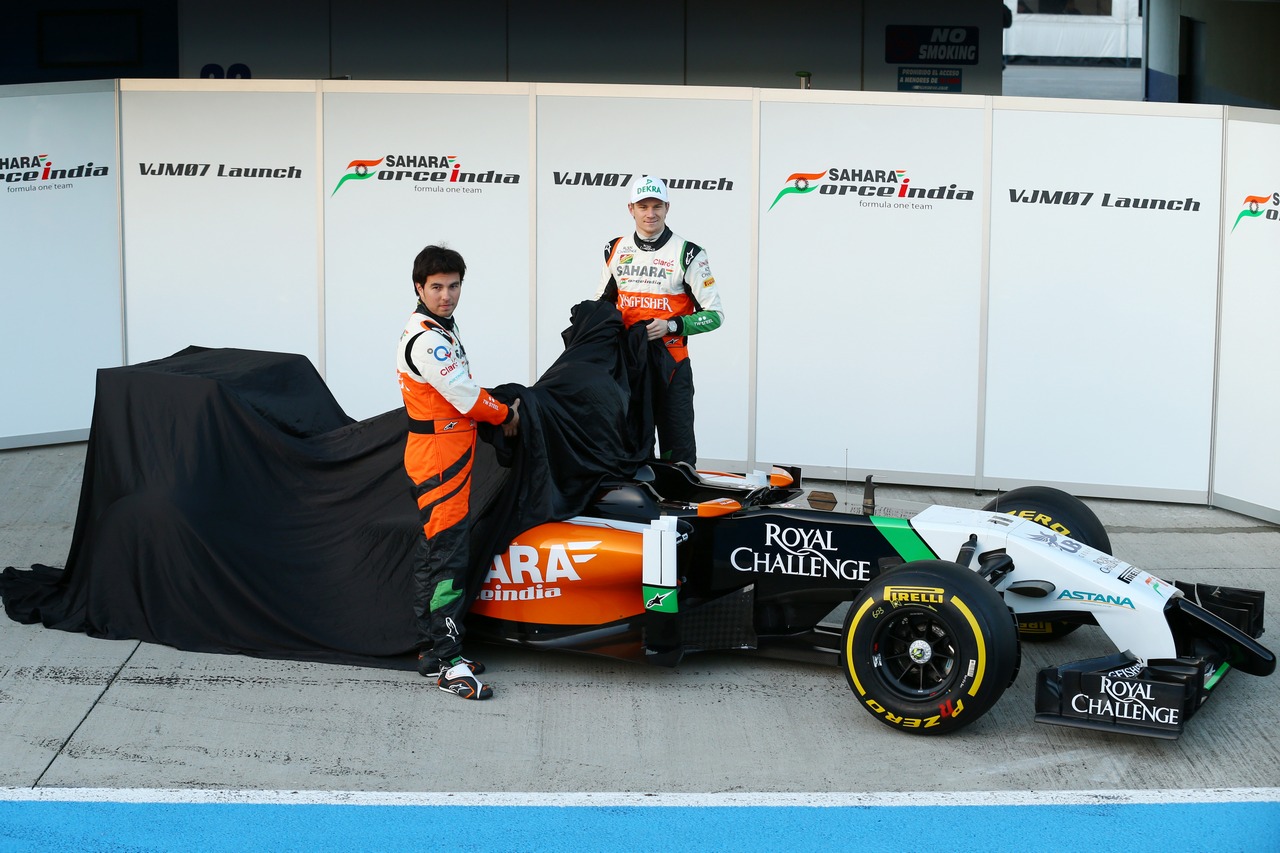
[
  {"x": 1253, "y": 207},
  {"x": 799, "y": 182},
  {"x": 357, "y": 170}
]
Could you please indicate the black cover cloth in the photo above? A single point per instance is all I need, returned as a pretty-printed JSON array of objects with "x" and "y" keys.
[{"x": 229, "y": 505}]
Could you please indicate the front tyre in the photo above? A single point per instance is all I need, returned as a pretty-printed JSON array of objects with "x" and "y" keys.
[
  {"x": 929, "y": 647},
  {"x": 1065, "y": 514},
  {"x": 1060, "y": 511}
]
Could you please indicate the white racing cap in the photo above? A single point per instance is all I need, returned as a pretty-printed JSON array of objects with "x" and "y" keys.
[{"x": 647, "y": 187}]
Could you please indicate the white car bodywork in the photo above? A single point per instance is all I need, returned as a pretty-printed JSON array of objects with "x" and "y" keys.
[{"x": 1127, "y": 602}]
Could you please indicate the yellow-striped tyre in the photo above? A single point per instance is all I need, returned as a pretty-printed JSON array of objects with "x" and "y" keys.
[{"x": 929, "y": 647}]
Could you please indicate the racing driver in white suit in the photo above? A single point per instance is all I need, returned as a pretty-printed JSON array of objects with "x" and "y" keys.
[{"x": 658, "y": 278}]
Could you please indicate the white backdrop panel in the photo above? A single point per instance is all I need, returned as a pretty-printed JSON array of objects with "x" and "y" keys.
[
  {"x": 1246, "y": 462},
  {"x": 1101, "y": 330},
  {"x": 452, "y": 169},
  {"x": 869, "y": 298},
  {"x": 60, "y": 297},
  {"x": 588, "y": 149},
  {"x": 213, "y": 256}
]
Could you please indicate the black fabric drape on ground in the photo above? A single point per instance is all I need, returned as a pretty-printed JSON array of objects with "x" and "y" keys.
[{"x": 229, "y": 505}]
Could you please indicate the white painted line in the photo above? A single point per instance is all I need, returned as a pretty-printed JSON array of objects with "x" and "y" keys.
[{"x": 821, "y": 799}]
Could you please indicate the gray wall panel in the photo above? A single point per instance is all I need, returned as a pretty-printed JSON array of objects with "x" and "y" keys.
[
  {"x": 578, "y": 41},
  {"x": 762, "y": 43},
  {"x": 411, "y": 40}
]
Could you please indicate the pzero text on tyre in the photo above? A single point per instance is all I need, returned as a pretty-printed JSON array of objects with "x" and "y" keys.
[
  {"x": 1060, "y": 511},
  {"x": 929, "y": 647}
]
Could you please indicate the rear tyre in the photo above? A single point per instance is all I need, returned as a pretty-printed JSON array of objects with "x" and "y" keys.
[
  {"x": 1064, "y": 514},
  {"x": 929, "y": 647}
]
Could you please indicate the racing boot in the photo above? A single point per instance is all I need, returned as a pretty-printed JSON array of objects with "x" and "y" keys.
[
  {"x": 459, "y": 680},
  {"x": 431, "y": 667}
]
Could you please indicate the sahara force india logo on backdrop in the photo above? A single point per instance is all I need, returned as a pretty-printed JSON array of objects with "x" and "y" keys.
[
  {"x": 890, "y": 188},
  {"x": 427, "y": 172},
  {"x": 34, "y": 172},
  {"x": 1254, "y": 208}
]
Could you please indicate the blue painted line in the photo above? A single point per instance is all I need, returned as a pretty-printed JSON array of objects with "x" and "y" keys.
[{"x": 211, "y": 827}]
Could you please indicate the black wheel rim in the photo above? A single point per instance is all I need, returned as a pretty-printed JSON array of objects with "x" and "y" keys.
[{"x": 915, "y": 654}]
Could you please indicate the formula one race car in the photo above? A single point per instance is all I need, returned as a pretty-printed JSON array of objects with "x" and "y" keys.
[{"x": 678, "y": 561}]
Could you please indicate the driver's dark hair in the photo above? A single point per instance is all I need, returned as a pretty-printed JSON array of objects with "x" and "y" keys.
[{"x": 437, "y": 259}]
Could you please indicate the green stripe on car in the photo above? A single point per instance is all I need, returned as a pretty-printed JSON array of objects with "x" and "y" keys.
[{"x": 904, "y": 540}]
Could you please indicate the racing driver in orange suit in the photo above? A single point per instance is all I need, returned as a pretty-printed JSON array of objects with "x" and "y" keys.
[
  {"x": 443, "y": 402},
  {"x": 658, "y": 278}
]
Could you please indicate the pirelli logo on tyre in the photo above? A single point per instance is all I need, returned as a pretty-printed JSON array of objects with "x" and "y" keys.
[{"x": 914, "y": 594}]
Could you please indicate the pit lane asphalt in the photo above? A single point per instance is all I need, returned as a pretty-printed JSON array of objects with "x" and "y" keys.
[{"x": 77, "y": 712}]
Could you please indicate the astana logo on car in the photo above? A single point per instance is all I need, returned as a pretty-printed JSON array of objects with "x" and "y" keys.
[{"x": 1096, "y": 598}]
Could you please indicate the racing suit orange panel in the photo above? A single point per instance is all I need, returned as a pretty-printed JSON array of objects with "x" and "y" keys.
[
  {"x": 443, "y": 402},
  {"x": 665, "y": 278}
]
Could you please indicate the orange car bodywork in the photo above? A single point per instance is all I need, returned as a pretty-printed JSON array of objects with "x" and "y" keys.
[
  {"x": 581, "y": 572},
  {"x": 566, "y": 573}
]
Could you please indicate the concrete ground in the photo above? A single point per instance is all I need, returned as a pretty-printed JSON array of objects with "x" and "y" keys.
[{"x": 80, "y": 712}]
